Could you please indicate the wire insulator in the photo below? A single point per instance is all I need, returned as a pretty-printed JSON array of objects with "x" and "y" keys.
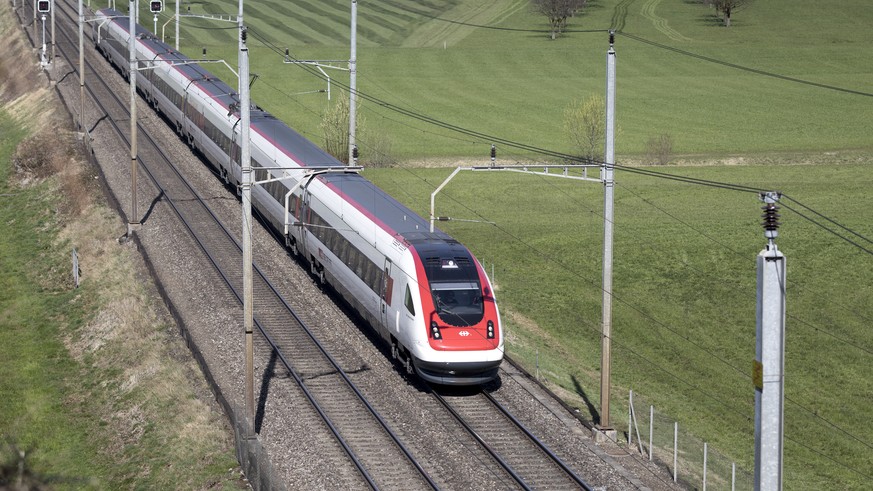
[{"x": 771, "y": 219}]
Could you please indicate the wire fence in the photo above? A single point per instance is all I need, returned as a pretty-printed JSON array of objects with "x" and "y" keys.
[{"x": 691, "y": 461}]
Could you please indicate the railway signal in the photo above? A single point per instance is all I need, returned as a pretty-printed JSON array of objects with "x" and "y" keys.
[
  {"x": 156, "y": 7},
  {"x": 43, "y": 6}
]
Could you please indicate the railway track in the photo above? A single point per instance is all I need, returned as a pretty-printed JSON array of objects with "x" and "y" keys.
[
  {"x": 372, "y": 447},
  {"x": 376, "y": 456},
  {"x": 521, "y": 455}
]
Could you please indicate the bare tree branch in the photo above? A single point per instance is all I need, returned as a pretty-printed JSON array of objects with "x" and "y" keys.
[{"x": 558, "y": 11}]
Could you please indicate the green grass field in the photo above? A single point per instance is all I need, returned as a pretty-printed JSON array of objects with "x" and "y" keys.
[
  {"x": 515, "y": 85},
  {"x": 684, "y": 309},
  {"x": 70, "y": 399},
  {"x": 684, "y": 328}
]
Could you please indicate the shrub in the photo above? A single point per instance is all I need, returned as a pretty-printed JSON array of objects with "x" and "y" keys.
[
  {"x": 585, "y": 124},
  {"x": 659, "y": 149}
]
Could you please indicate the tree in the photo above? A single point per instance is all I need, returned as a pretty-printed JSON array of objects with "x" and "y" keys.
[
  {"x": 335, "y": 127},
  {"x": 727, "y": 7},
  {"x": 585, "y": 123},
  {"x": 557, "y": 11}
]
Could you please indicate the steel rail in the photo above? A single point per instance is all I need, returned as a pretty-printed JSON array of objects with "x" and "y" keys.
[
  {"x": 581, "y": 482},
  {"x": 356, "y": 460},
  {"x": 494, "y": 454}
]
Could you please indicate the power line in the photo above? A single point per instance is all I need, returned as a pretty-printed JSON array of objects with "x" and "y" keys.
[
  {"x": 709, "y": 59},
  {"x": 564, "y": 156},
  {"x": 744, "y": 68},
  {"x": 647, "y": 172},
  {"x": 510, "y": 29}
]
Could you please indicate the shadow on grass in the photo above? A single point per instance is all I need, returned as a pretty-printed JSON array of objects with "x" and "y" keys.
[{"x": 595, "y": 414}]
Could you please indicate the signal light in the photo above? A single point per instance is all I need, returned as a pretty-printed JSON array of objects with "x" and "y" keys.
[
  {"x": 156, "y": 7},
  {"x": 43, "y": 6}
]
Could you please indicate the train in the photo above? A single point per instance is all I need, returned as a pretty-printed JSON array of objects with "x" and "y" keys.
[{"x": 423, "y": 291}]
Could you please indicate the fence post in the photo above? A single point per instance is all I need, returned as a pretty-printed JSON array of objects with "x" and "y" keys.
[
  {"x": 651, "y": 428},
  {"x": 675, "y": 451},
  {"x": 75, "y": 268},
  {"x": 733, "y": 476},
  {"x": 630, "y": 413},
  {"x": 538, "y": 363},
  {"x": 705, "y": 454}
]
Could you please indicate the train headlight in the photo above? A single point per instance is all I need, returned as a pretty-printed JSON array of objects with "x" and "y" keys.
[
  {"x": 435, "y": 330},
  {"x": 490, "y": 329}
]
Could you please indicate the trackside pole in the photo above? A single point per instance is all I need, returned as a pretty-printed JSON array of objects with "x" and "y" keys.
[
  {"x": 133, "y": 219},
  {"x": 607, "y": 171},
  {"x": 246, "y": 164},
  {"x": 769, "y": 366},
  {"x": 82, "y": 70},
  {"x": 353, "y": 84},
  {"x": 177, "y": 23},
  {"x": 52, "y": 61}
]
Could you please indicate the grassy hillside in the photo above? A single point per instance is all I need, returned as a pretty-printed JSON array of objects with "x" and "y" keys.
[
  {"x": 685, "y": 255},
  {"x": 94, "y": 393},
  {"x": 513, "y": 82},
  {"x": 684, "y": 309}
]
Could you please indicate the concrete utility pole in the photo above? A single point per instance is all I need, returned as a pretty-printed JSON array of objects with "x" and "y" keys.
[
  {"x": 52, "y": 61},
  {"x": 607, "y": 171},
  {"x": 769, "y": 368},
  {"x": 43, "y": 56},
  {"x": 353, "y": 84},
  {"x": 246, "y": 164},
  {"x": 82, "y": 69},
  {"x": 177, "y": 23},
  {"x": 133, "y": 220}
]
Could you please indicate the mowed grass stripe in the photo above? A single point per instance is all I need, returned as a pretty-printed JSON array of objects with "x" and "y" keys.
[
  {"x": 309, "y": 22},
  {"x": 703, "y": 106},
  {"x": 448, "y": 28}
]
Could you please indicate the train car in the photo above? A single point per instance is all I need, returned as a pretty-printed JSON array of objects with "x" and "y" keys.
[{"x": 422, "y": 291}]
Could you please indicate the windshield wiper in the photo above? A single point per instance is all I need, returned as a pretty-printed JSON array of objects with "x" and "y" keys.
[{"x": 443, "y": 308}]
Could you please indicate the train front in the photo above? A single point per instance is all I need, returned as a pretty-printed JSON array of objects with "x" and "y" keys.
[{"x": 463, "y": 338}]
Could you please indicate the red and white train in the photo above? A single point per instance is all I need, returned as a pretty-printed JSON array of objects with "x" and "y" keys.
[{"x": 422, "y": 291}]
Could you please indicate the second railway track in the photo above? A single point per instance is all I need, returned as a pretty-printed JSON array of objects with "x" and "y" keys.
[
  {"x": 381, "y": 458},
  {"x": 401, "y": 461}
]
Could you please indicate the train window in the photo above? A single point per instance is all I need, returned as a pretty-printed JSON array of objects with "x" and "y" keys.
[
  {"x": 410, "y": 307},
  {"x": 458, "y": 303},
  {"x": 343, "y": 252},
  {"x": 372, "y": 275}
]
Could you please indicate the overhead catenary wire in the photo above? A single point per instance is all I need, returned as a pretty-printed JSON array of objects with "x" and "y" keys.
[
  {"x": 735, "y": 66},
  {"x": 647, "y": 172},
  {"x": 523, "y": 146},
  {"x": 662, "y": 46}
]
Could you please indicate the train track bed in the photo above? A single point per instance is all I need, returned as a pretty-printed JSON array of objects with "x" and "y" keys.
[{"x": 303, "y": 453}]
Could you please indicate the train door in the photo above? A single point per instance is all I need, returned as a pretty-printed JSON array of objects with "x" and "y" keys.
[
  {"x": 387, "y": 287},
  {"x": 304, "y": 220},
  {"x": 233, "y": 155}
]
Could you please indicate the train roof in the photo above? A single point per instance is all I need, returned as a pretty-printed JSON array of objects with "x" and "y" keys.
[
  {"x": 371, "y": 200},
  {"x": 383, "y": 208}
]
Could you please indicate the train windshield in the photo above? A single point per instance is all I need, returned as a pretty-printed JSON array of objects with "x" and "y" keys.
[{"x": 458, "y": 303}]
